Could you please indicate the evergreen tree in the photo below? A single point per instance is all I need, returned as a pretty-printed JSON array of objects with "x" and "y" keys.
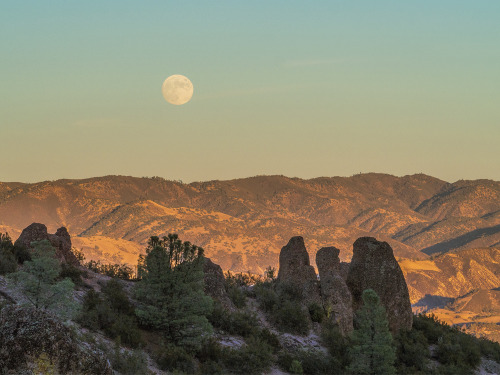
[
  {"x": 171, "y": 291},
  {"x": 39, "y": 280},
  {"x": 372, "y": 351}
]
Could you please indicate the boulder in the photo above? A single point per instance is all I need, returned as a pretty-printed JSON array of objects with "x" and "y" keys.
[
  {"x": 215, "y": 283},
  {"x": 335, "y": 294},
  {"x": 373, "y": 266},
  {"x": 61, "y": 241},
  {"x": 295, "y": 268},
  {"x": 28, "y": 334}
]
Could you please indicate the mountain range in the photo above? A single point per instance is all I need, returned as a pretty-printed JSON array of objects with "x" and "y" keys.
[
  {"x": 243, "y": 223},
  {"x": 446, "y": 236}
]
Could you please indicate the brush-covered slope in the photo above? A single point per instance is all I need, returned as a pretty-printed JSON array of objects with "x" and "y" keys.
[{"x": 243, "y": 223}]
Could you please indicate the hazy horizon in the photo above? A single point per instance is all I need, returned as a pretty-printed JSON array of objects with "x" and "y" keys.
[{"x": 244, "y": 177}]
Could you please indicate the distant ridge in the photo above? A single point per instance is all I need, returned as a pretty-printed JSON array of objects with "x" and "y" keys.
[{"x": 243, "y": 223}]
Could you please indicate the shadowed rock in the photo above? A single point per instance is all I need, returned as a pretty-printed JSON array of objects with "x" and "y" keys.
[
  {"x": 335, "y": 294},
  {"x": 61, "y": 241},
  {"x": 295, "y": 268},
  {"x": 214, "y": 283},
  {"x": 373, "y": 266}
]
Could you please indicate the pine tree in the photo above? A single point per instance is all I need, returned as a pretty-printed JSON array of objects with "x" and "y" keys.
[
  {"x": 171, "y": 291},
  {"x": 372, "y": 351},
  {"x": 40, "y": 283}
]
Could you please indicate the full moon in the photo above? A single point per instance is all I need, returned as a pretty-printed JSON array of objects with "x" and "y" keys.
[{"x": 177, "y": 89}]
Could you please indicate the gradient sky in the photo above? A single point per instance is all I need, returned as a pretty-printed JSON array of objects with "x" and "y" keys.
[{"x": 300, "y": 88}]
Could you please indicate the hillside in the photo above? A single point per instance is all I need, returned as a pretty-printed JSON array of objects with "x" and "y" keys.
[{"x": 243, "y": 223}]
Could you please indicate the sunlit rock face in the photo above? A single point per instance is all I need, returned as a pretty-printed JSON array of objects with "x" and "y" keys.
[
  {"x": 295, "y": 268},
  {"x": 373, "y": 266},
  {"x": 335, "y": 294},
  {"x": 61, "y": 241}
]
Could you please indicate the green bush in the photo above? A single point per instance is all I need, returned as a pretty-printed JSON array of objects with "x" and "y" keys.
[
  {"x": 290, "y": 292},
  {"x": 336, "y": 344},
  {"x": 266, "y": 296},
  {"x": 71, "y": 272},
  {"x": 237, "y": 296},
  {"x": 270, "y": 338},
  {"x": 316, "y": 312},
  {"x": 290, "y": 317},
  {"x": 412, "y": 352},
  {"x": 282, "y": 303},
  {"x": 176, "y": 358},
  {"x": 111, "y": 312},
  {"x": 253, "y": 358},
  {"x": 8, "y": 263},
  {"x": 313, "y": 362},
  {"x": 490, "y": 349},
  {"x": 22, "y": 254},
  {"x": 234, "y": 323},
  {"x": 296, "y": 367},
  {"x": 129, "y": 363}
]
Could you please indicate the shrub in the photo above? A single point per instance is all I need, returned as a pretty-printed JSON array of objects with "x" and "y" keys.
[
  {"x": 22, "y": 254},
  {"x": 253, "y": 358},
  {"x": 112, "y": 312},
  {"x": 336, "y": 344},
  {"x": 176, "y": 358},
  {"x": 8, "y": 263},
  {"x": 129, "y": 363},
  {"x": 266, "y": 296},
  {"x": 270, "y": 338},
  {"x": 290, "y": 317},
  {"x": 296, "y": 367},
  {"x": 490, "y": 349},
  {"x": 412, "y": 352},
  {"x": 71, "y": 272},
  {"x": 316, "y": 312},
  {"x": 234, "y": 323},
  {"x": 312, "y": 362},
  {"x": 237, "y": 296}
]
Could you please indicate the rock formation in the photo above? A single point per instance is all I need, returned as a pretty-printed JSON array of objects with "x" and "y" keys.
[
  {"x": 295, "y": 268},
  {"x": 337, "y": 299},
  {"x": 61, "y": 241},
  {"x": 214, "y": 283},
  {"x": 373, "y": 266}
]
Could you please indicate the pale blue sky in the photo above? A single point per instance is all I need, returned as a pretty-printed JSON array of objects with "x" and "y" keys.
[{"x": 316, "y": 88}]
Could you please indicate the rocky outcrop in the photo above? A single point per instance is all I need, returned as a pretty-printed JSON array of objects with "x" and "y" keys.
[
  {"x": 373, "y": 266},
  {"x": 335, "y": 294},
  {"x": 28, "y": 335},
  {"x": 215, "y": 283},
  {"x": 295, "y": 268},
  {"x": 61, "y": 241}
]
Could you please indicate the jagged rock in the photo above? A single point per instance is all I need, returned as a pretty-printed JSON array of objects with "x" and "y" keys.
[
  {"x": 26, "y": 334},
  {"x": 373, "y": 266},
  {"x": 61, "y": 241},
  {"x": 214, "y": 283},
  {"x": 335, "y": 294},
  {"x": 295, "y": 268}
]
